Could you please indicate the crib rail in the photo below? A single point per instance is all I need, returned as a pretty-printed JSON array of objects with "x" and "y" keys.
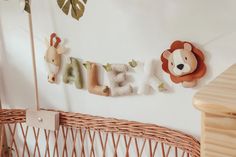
[{"x": 84, "y": 135}]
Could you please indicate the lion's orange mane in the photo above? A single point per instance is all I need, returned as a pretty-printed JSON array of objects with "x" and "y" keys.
[{"x": 198, "y": 73}]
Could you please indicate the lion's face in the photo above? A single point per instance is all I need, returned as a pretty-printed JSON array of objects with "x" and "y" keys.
[{"x": 181, "y": 61}]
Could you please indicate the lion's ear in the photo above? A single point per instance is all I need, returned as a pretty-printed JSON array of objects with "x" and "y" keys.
[
  {"x": 166, "y": 54},
  {"x": 187, "y": 46}
]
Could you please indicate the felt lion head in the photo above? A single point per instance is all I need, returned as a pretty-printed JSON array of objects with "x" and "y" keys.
[{"x": 184, "y": 63}]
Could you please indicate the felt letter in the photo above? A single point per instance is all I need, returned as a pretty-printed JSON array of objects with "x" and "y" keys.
[
  {"x": 117, "y": 77},
  {"x": 93, "y": 85},
  {"x": 150, "y": 80},
  {"x": 73, "y": 74}
]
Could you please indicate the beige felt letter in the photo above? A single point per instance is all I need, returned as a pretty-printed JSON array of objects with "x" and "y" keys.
[{"x": 93, "y": 85}]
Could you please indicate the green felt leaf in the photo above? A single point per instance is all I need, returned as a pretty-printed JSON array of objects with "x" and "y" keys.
[
  {"x": 75, "y": 7},
  {"x": 133, "y": 63},
  {"x": 107, "y": 67},
  {"x": 86, "y": 65},
  {"x": 60, "y": 3},
  {"x": 66, "y": 8},
  {"x": 162, "y": 87}
]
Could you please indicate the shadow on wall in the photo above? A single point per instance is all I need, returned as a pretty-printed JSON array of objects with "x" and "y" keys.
[
  {"x": 2, "y": 60},
  {"x": 21, "y": 89},
  {"x": 204, "y": 80},
  {"x": 16, "y": 90},
  {"x": 12, "y": 81}
]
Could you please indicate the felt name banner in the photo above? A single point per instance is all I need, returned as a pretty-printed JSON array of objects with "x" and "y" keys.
[
  {"x": 120, "y": 85},
  {"x": 116, "y": 73},
  {"x": 182, "y": 61}
]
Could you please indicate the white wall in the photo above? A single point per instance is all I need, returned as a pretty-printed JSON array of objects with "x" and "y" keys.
[{"x": 116, "y": 31}]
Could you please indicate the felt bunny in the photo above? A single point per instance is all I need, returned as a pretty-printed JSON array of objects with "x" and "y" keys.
[{"x": 53, "y": 57}]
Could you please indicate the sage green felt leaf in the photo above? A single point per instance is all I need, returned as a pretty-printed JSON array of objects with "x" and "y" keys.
[
  {"x": 27, "y": 6},
  {"x": 60, "y": 3},
  {"x": 161, "y": 87},
  {"x": 66, "y": 7},
  {"x": 107, "y": 67},
  {"x": 86, "y": 65},
  {"x": 133, "y": 63},
  {"x": 75, "y": 7}
]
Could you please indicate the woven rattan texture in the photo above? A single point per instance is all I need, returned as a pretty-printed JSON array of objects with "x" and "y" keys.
[{"x": 85, "y": 135}]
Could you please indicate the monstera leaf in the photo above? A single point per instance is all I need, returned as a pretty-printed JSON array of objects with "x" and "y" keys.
[
  {"x": 25, "y": 5},
  {"x": 75, "y": 7}
]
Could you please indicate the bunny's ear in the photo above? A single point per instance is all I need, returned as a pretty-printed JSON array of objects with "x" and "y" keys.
[
  {"x": 187, "y": 46},
  {"x": 53, "y": 35},
  {"x": 166, "y": 54},
  {"x": 58, "y": 40}
]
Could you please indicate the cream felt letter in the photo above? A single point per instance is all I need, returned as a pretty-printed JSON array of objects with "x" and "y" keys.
[
  {"x": 118, "y": 80},
  {"x": 150, "y": 80}
]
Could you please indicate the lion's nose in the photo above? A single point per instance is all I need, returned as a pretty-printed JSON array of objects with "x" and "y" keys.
[{"x": 180, "y": 66}]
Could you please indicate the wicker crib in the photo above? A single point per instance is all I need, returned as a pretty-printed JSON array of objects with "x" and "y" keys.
[{"x": 84, "y": 135}]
